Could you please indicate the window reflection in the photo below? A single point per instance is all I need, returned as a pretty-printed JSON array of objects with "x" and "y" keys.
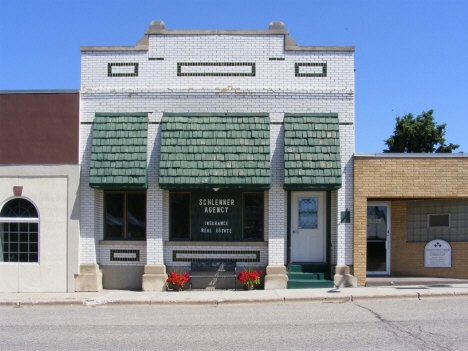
[
  {"x": 125, "y": 216},
  {"x": 376, "y": 222}
]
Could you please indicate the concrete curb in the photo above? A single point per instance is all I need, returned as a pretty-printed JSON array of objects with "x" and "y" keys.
[
  {"x": 33, "y": 303},
  {"x": 226, "y": 301},
  {"x": 227, "y": 297}
]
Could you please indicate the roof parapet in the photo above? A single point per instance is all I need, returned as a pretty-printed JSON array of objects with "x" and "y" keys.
[
  {"x": 410, "y": 155},
  {"x": 40, "y": 91},
  {"x": 159, "y": 28}
]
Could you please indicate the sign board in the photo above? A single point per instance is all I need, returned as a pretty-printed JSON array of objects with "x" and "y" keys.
[
  {"x": 438, "y": 253},
  {"x": 216, "y": 216}
]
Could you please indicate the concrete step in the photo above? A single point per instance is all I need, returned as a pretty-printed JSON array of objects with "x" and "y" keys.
[
  {"x": 308, "y": 276},
  {"x": 295, "y": 268}
]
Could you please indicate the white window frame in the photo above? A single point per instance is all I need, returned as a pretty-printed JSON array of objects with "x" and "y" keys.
[{"x": 23, "y": 220}]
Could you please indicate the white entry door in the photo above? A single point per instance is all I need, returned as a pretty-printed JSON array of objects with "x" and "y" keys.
[{"x": 308, "y": 227}]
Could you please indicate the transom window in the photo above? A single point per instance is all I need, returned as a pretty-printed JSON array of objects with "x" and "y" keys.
[
  {"x": 125, "y": 215},
  {"x": 19, "y": 232}
]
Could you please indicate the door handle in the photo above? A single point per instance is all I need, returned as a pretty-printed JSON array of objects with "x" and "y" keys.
[{"x": 295, "y": 231}]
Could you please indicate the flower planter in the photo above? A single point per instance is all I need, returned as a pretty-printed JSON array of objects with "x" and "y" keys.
[
  {"x": 177, "y": 281},
  {"x": 249, "y": 278}
]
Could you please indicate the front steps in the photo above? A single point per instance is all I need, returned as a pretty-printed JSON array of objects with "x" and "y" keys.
[{"x": 309, "y": 276}]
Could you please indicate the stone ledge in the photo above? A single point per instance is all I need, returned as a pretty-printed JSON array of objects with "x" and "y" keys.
[
  {"x": 216, "y": 243},
  {"x": 410, "y": 155},
  {"x": 319, "y": 48},
  {"x": 114, "y": 48},
  {"x": 123, "y": 242},
  {"x": 216, "y": 32}
]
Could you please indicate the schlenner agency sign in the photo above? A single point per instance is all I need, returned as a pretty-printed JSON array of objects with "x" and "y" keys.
[
  {"x": 216, "y": 216},
  {"x": 438, "y": 253}
]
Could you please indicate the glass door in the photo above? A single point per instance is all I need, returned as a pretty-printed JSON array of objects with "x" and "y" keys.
[{"x": 378, "y": 238}]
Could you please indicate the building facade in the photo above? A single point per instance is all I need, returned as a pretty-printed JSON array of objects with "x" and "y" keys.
[
  {"x": 198, "y": 145},
  {"x": 223, "y": 144},
  {"x": 39, "y": 186},
  {"x": 404, "y": 202}
]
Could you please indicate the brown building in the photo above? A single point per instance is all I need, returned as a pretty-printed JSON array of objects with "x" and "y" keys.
[{"x": 39, "y": 127}]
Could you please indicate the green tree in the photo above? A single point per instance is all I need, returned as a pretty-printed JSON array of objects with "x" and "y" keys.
[{"x": 420, "y": 134}]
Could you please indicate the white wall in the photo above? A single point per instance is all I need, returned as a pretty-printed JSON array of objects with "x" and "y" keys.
[
  {"x": 54, "y": 190},
  {"x": 275, "y": 89}
]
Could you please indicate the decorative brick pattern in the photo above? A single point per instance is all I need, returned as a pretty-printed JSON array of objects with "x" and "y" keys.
[
  {"x": 123, "y": 72},
  {"x": 125, "y": 255},
  {"x": 298, "y": 66},
  {"x": 213, "y": 73},
  {"x": 197, "y": 255}
]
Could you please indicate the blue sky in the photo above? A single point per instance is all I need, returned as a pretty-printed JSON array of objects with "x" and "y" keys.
[{"x": 410, "y": 55}]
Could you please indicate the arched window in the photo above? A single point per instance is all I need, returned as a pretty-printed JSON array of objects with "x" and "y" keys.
[{"x": 19, "y": 232}]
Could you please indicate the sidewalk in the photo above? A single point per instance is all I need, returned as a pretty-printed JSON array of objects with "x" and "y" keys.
[{"x": 214, "y": 297}]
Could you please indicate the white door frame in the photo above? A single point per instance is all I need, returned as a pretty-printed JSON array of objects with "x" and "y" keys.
[
  {"x": 388, "y": 204},
  {"x": 321, "y": 206}
]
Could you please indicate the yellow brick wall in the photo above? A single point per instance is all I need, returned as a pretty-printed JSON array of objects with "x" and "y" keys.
[
  {"x": 399, "y": 179},
  {"x": 407, "y": 259}
]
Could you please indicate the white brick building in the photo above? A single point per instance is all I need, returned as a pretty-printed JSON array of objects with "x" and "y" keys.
[{"x": 168, "y": 83}]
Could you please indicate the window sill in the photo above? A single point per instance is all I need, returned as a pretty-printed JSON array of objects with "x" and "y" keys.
[
  {"x": 20, "y": 263},
  {"x": 216, "y": 243},
  {"x": 123, "y": 242}
]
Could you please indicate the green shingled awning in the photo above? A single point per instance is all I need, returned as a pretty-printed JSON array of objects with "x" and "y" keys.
[
  {"x": 312, "y": 151},
  {"x": 118, "y": 153},
  {"x": 215, "y": 150}
]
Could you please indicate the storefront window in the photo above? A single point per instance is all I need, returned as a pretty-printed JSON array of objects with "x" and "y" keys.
[
  {"x": 225, "y": 215},
  {"x": 125, "y": 216},
  {"x": 253, "y": 216},
  {"x": 180, "y": 216}
]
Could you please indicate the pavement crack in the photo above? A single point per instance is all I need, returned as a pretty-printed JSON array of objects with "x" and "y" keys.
[
  {"x": 399, "y": 331},
  {"x": 283, "y": 298}
]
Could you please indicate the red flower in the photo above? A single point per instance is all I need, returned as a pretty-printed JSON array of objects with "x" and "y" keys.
[
  {"x": 247, "y": 277},
  {"x": 178, "y": 279}
]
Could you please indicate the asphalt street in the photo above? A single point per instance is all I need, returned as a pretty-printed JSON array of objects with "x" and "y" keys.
[{"x": 431, "y": 324}]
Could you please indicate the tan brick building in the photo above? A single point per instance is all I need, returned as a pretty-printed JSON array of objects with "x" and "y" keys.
[{"x": 413, "y": 199}]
